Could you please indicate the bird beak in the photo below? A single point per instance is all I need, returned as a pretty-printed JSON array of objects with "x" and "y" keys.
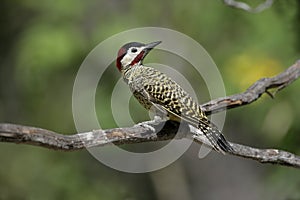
[{"x": 150, "y": 46}]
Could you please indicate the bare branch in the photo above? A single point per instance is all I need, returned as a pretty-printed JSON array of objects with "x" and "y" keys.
[
  {"x": 244, "y": 6},
  {"x": 142, "y": 132},
  {"x": 255, "y": 91},
  {"x": 158, "y": 130}
]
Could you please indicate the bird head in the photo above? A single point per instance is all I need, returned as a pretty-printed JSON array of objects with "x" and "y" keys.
[{"x": 133, "y": 53}]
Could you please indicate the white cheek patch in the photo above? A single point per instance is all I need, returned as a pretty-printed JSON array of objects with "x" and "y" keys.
[{"x": 129, "y": 57}]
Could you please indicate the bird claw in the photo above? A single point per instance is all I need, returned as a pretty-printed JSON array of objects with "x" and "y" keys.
[{"x": 148, "y": 127}]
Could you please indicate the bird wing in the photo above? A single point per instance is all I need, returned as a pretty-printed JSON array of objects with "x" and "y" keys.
[{"x": 185, "y": 108}]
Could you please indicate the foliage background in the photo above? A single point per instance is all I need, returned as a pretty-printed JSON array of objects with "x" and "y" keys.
[{"x": 42, "y": 46}]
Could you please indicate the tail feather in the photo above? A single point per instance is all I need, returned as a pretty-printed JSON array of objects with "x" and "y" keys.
[{"x": 216, "y": 138}]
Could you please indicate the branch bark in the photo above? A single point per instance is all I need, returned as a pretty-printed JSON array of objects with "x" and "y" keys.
[
  {"x": 244, "y": 6},
  {"x": 158, "y": 129},
  {"x": 258, "y": 88}
]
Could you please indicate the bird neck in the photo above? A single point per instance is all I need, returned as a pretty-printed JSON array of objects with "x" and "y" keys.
[{"x": 131, "y": 72}]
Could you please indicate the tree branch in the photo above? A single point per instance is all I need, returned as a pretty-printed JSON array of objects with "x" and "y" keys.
[
  {"x": 261, "y": 86},
  {"x": 158, "y": 129},
  {"x": 244, "y": 6}
]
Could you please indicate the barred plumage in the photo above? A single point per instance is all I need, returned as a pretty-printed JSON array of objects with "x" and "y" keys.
[{"x": 153, "y": 88}]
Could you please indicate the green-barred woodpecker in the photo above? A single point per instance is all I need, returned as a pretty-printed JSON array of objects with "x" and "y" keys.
[{"x": 154, "y": 89}]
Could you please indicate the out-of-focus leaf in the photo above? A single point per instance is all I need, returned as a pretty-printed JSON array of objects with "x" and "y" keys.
[
  {"x": 244, "y": 69},
  {"x": 44, "y": 49}
]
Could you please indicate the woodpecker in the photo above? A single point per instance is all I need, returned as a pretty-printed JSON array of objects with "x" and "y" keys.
[{"x": 154, "y": 89}]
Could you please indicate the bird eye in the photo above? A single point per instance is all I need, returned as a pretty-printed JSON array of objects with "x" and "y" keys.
[{"x": 134, "y": 50}]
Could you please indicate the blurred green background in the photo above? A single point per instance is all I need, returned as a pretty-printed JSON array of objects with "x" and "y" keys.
[{"x": 43, "y": 44}]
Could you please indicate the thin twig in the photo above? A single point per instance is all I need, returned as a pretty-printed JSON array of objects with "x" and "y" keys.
[
  {"x": 255, "y": 90},
  {"x": 244, "y": 6}
]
